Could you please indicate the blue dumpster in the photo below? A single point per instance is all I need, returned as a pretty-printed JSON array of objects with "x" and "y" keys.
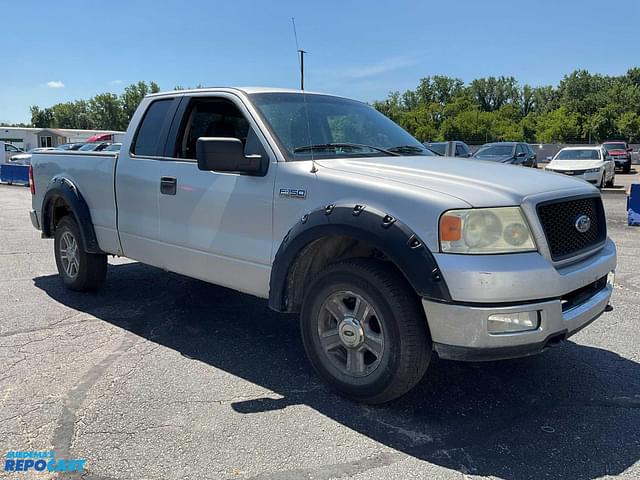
[
  {"x": 633, "y": 204},
  {"x": 14, "y": 174}
]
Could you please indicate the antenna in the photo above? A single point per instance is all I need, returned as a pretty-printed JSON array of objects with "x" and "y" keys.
[{"x": 300, "y": 53}]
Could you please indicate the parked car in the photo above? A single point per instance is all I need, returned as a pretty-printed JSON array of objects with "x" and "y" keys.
[
  {"x": 25, "y": 158},
  {"x": 591, "y": 164},
  {"x": 94, "y": 146},
  {"x": 70, "y": 146},
  {"x": 620, "y": 153},
  {"x": 114, "y": 147},
  {"x": 515, "y": 153},
  {"x": 462, "y": 149},
  {"x": 10, "y": 151},
  {"x": 387, "y": 254}
]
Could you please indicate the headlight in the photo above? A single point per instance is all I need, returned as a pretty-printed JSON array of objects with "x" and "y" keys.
[
  {"x": 592, "y": 170},
  {"x": 485, "y": 230}
]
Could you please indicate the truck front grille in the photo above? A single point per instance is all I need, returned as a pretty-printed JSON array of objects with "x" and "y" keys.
[{"x": 559, "y": 221}]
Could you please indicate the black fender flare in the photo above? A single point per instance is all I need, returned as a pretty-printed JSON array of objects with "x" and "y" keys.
[
  {"x": 382, "y": 231},
  {"x": 65, "y": 189}
]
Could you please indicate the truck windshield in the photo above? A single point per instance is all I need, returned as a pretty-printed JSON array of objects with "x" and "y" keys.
[
  {"x": 614, "y": 146},
  {"x": 323, "y": 126}
]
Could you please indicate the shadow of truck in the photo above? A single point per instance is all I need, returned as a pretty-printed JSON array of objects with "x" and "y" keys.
[{"x": 573, "y": 412}]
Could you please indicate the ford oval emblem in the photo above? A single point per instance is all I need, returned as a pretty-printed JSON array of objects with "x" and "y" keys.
[{"x": 583, "y": 223}]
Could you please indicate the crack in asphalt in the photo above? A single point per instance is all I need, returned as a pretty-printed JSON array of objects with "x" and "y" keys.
[
  {"x": 53, "y": 326},
  {"x": 64, "y": 432},
  {"x": 338, "y": 470}
]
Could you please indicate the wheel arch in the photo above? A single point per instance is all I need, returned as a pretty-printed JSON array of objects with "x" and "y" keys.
[
  {"x": 63, "y": 198},
  {"x": 340, "y": 231}
]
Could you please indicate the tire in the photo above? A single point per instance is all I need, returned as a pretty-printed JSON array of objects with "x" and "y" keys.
[
  {"x": 611, "y": 183},
  {"x": 80, "y": 271},
  {"x": 626, "y": 168},
  {"x": 601, "y": 184},
  {"x": 395, "y": 327}
]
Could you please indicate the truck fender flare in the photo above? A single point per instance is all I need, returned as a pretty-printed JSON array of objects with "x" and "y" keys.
[
  {"x": 380, "y": 230},
  {"x": 63, "y": 188}
]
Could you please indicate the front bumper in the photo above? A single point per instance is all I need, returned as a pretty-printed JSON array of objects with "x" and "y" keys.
[
  {"x": 562, "y": 298},
  {"x": 591, "y": 177},
  {"x": 622, "y": 163}
]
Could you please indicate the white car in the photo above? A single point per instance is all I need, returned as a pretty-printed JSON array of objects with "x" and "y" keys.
[
  {"x": 24, "y": 158},
  {"x": 591, "y": 164}
]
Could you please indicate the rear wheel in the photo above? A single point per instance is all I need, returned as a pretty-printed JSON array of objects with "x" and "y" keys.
[
  {"x": 364, "y": 331},
  {"x": 626, "y": 168},
  {"x": 79, "y": 270}
]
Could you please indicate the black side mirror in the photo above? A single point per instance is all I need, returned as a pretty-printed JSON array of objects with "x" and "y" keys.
[
  {"x": 226, "y": 155},
  {"x": 521, "y": 155}
]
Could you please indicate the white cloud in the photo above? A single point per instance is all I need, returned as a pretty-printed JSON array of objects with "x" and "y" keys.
[
  {"x": 55, "y": 84},
  {"x": 116, "y": 82},
  {"x": 378, "y": 68}
]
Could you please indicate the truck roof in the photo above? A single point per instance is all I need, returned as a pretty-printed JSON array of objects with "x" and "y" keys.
[{"x": 246, "y": 90}]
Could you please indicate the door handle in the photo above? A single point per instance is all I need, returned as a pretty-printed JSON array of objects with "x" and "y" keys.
[{"x": 168, "y": 185}]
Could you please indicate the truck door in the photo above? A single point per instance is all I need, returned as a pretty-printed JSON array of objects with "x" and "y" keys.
[
  {"x": 216, "y": 226},
  {"x": 139, "y": 169}
]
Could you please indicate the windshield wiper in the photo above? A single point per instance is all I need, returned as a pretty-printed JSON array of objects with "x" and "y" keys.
[
  {"x": 325, "y": 146},
  {"x": 407, "y": 149}
]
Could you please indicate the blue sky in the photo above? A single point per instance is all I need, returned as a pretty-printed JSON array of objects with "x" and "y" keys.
[{"x": 66, "y": 50}]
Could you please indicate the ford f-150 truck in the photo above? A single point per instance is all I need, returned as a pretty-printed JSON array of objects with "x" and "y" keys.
[{"x": 325, "y": 207}]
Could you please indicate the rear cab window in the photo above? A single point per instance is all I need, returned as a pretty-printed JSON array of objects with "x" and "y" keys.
[{"x": 151, "y": 136}]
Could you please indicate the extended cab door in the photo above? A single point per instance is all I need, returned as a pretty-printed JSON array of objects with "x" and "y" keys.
[
  {"x": 139, "y": 169},
  {"x": 212, "y": 225}
]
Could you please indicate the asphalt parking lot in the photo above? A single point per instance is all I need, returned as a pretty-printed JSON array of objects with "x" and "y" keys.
[{"x": 163, "y": 377}]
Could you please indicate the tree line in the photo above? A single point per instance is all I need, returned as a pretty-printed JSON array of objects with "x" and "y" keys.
[
  {"x": 105, "y": 111},
  {"x": 583, "y": 107}
]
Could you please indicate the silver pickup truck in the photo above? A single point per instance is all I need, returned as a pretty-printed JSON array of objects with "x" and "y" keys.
[{"x": 323, "y": 206}]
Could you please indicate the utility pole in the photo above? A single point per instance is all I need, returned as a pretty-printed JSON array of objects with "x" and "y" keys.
[{"x": 302, "y": 52}]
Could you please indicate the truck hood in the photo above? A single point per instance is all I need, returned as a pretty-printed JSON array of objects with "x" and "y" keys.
[
  {"x": 617, "y": 152},
  {"x": 574, "y": 164},
  {"x": 480, "y": 184}
]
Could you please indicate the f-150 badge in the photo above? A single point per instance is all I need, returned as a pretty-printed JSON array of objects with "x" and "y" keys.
[{"x": 293, "y": 193}]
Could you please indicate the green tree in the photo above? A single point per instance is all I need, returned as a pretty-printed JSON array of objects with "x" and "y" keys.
[
  {"x": 41, "y": 118},
  {"x": 105, "y": 110},
  {"x": 559, "y": 125},
  {"x": 492, "y": 93},
  {"x": 628, "y": 125}
]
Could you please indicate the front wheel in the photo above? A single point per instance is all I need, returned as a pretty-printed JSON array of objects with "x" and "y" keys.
[
  {"x": 364, "y": 331},
  {"x": 79, "y": 270},
  {"x": 611, "y": 183}
]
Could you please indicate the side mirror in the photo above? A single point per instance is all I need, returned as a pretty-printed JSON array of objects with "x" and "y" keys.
[
  {"x": 549, "y": 159},
  {"x": 226, "y": 155},
  {"x": 521, "y": 155}
]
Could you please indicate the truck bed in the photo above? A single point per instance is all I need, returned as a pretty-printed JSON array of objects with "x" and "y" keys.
[{"x": 95, "y": 173}]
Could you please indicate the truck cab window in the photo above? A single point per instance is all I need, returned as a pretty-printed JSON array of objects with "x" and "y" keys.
[
  {"x": 211, "y": 118},
  {"x": 149, "y": 141}
]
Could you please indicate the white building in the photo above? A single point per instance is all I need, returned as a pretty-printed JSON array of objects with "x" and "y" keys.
[{"x": 27, "y": 138}]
